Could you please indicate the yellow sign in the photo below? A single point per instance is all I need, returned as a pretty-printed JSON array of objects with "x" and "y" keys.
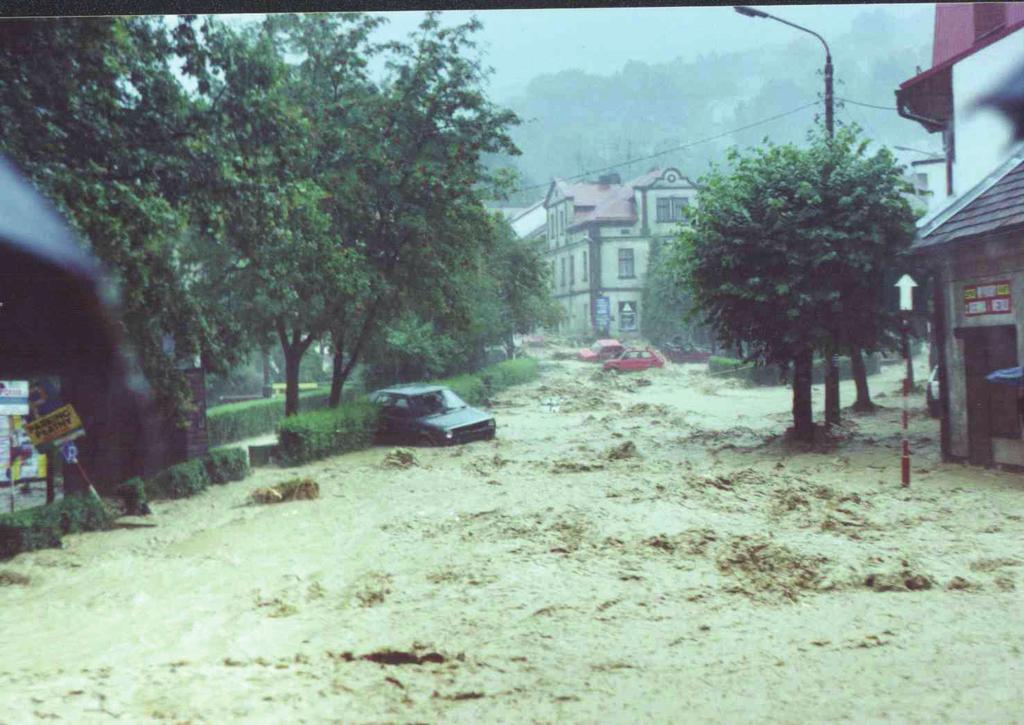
[{"x": 60, "y": 426}]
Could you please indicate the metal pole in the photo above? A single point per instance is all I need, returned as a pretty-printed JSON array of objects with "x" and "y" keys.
[
  {"x": 829, "y": 100},
  {"x": 905, "y": 461}
]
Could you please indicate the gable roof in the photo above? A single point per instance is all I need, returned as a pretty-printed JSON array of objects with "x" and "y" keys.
[
  {"x": 594, "y": 201},
  {"x": 993, "y": 205}
]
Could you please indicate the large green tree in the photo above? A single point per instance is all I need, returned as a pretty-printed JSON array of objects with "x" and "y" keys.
[
  {"x": 93, "y": 111},
  {"x": 784, "y": 260}
]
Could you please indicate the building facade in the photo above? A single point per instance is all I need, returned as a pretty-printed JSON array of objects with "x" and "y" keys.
[
  {"x": 975, "y": 47},
  {"x": 972, "y": 243},
  {"x": 975, "y": 252},
  {"x": 599, "y": 239}
]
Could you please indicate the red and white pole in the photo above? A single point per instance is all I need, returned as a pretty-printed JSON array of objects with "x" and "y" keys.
[{"x": 905, "y": 479}]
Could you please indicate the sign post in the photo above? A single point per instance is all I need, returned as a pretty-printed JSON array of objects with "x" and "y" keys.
[{"x": 906, "y": 285}]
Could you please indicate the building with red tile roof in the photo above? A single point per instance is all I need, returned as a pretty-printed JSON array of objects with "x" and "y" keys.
[{"x": 599, "y": 237}]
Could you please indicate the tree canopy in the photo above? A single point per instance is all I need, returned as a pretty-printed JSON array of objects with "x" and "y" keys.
[{"x": 788, "y": 248}]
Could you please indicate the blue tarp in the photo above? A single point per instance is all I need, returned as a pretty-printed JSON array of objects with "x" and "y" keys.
[{"x": 1007, "y": 376}]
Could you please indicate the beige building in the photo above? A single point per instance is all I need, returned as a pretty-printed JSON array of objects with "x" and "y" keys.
[{"x": 599, "y": 239}]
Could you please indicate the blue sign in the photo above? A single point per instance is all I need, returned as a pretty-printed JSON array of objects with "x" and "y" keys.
[{"x": 70, "y": 452}]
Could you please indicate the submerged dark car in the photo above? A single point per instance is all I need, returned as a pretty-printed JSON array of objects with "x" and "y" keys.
[{"x": 429, "y": 415}]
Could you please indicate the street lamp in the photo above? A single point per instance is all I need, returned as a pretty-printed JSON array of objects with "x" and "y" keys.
[
  {"x": 754, "y": 13},
  {"x": 831, "y": 370}
]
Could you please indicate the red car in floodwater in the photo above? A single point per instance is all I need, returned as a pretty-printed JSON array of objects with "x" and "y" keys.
[
  {"x": 635, "y": 360},
  {"x": 601, "y": 350}
]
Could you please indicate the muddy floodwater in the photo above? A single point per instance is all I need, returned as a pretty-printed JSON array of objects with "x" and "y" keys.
[{"x": 644, "y": 547}]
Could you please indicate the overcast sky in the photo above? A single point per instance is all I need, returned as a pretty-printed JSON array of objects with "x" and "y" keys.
[{"x": 521, "y": 44}]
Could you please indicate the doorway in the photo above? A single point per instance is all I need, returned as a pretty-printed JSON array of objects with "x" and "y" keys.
[{"x": 991, "y": 409}]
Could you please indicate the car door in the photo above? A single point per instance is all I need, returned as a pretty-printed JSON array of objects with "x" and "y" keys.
[
  {"x": 644, "y": 360},
  {"x": 395, "y": 415},
  {"x": 630, "y": 361}
]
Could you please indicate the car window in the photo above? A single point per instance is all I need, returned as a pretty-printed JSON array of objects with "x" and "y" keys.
[{"x": 645, "y": 355}]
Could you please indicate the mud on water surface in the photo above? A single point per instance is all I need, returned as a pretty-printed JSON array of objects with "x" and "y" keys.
[{"x": 629, "y": 547}]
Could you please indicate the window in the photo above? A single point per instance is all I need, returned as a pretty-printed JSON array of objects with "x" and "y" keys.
[
  {"x": 572, "y": 269},
  {"x": 627, "y": 315},
  {"x": 583, "y": 269},
  {"x": 671, "y": 208},
  {"x": 624, "y": 232},
  {"x": 554, "y": 276},
  {"x": 626, "y": 264},
  {"x": 563, "y": 272},
  {"x": 586, "y": 315}
]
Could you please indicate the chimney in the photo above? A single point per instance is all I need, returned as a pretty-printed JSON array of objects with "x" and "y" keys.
[{"x": 609, "y": 179}]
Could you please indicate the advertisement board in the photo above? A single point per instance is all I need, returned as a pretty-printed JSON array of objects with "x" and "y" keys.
[
  {"x": 58, "y": 427},
  {"x": 13, "y": 397},
  {"x": 987, "y": 299}
]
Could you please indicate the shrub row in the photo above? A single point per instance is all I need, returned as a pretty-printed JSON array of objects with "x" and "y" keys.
[
  {"x": 190, "y": 477},
  {"x": 235, "y": 421},
  {"x": 731, "y": 368},
  {"x": 310, "y": 436},
  {"x": 42, "y": 527}
]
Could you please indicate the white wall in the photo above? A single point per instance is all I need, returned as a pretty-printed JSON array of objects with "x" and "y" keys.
[{"x": 982, "y": 136}]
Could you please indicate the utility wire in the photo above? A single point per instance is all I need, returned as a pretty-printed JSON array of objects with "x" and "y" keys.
[
  {"x": 866, "y": 105},
  {"x": 703, "y": 140},
  {"x": 674, "y": 149}
]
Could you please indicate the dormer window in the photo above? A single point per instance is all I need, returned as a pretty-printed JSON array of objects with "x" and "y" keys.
[{"x": 671, "y": 208}]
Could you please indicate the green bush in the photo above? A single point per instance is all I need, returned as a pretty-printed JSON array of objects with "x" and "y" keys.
[
  {"x": 43, "y": 526},
  {"x": 179, "y": 481},
  {"x": 226, "y": 464},
  {"x": 508, "y": 373},
  {"x": 467, "y": 386},
  {"x": 235, "y": 421},
  {"x": 133, "y": 493},
  {"x": 311, "y": 436}
]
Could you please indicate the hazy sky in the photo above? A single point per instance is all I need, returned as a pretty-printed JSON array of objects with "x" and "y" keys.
[{"x": 521, "y": 44}]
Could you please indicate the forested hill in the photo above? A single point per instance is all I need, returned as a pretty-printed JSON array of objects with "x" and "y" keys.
[{"x": 574, "y": 121}]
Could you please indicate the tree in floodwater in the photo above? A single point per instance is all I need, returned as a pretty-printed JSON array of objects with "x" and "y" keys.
[
  {"x": 785, "y": 260},
  {"x": 267, "y": 242},
  {"x": 409, "y": 197}
]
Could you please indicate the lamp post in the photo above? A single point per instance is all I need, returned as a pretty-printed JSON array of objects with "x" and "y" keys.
[
  {"x": 829, "y": 114},
  {"x": 831, "y": 369}
]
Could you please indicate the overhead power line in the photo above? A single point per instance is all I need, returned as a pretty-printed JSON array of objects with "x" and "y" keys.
[
  {"x": 866, "y": 105},
  {"x": 674, "y": 149}
]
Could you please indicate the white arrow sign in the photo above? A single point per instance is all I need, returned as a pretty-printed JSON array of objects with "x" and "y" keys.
[{"x": 906, "y": 285}]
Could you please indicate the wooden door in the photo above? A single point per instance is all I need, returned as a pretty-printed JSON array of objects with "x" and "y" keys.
[{"x": 991, "y": 408}]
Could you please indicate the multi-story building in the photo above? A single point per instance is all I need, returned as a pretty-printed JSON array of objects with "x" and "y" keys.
[
  {"x": 599, "y": 237},
  {"x": 970, "y": 245},
  {"x": 976, "y": 45}
]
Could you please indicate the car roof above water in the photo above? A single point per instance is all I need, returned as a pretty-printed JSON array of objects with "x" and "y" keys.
[{"x": 411, "y": 389}]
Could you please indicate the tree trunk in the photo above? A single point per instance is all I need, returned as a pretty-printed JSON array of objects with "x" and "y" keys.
[
  {"x": 803, "y": 416},
  {"x": 860, "y": 378},
  {"x": 831, "y": 387},
  {"x": 268, "y": 389},
  {"x": 292, "y": 358},
  {"x": 338, "y": 376}
]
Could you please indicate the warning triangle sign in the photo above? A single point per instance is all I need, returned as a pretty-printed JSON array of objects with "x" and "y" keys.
[{"x": 627, "y": 307}]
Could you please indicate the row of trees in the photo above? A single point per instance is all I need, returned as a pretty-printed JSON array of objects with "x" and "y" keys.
[
  {"x": 792, "y": 251},
  {"x": 282, "y": 183}
]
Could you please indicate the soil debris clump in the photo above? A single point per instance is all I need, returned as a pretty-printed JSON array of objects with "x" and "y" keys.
[{"x": 296, "y": 489}]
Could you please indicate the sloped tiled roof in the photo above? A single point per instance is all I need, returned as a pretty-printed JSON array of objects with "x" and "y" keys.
[
  {"x": 996, "y": 204},
  {"x": 606, "y": 202}
]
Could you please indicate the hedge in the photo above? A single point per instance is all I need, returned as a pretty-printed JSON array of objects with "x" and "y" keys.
[
  {"x": 726, "y": 367},
  {"x": 311, "y": 436},
  {"x": 226, "y": 464},
  {"x": 42, "y": 527},
  {"x": 235, "y": 421},
  {"x": 510, "y": 372},
  {"x": 179, "y": 481}
]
